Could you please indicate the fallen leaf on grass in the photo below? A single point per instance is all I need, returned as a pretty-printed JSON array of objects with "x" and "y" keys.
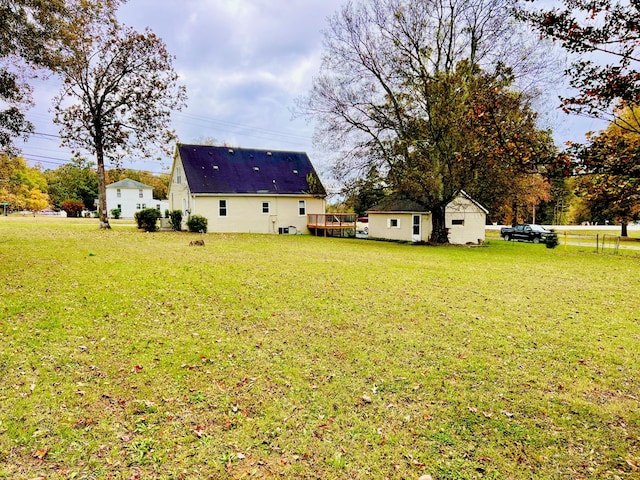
[
  {"x": 199, "y": 431},
  {"x": 136, "y": 368},
  {"x": 40, "y": 454}
]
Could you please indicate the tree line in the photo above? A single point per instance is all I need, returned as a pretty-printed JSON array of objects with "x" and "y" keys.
[
  {"x": 72, "y": 187},
  {"x": 417, "y": 99}
]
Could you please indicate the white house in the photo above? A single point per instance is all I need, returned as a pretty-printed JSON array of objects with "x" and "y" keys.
[
  {"x": 130, "y": 196},
  {"x": 405, "y": 220},
  {"x": 245, "y": 190}
]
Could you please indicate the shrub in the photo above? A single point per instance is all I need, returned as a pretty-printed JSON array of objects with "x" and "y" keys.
[
  {"x": 166, "y": 213},
  {"x": 115, "y": 213},
  {"x": 175, "y": 219},
  {"x": 147, "y": 219},
  {"x": 73, "y": 208},
  {"x": 552, "y": 240},
  {"x": 197, "y": 224}
]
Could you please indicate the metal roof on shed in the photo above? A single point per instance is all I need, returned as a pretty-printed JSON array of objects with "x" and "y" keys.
[{"x": 224, "y": 170}]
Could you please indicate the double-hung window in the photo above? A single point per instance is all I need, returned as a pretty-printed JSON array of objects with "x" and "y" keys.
[
  {"x": 222, "y": 208},
  {"x": 265, "y": 207},
  {"x": 302, "y": 208}
]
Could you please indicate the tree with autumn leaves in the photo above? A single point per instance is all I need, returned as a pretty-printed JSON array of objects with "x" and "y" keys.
[
  {"x": 608, "y": 171},
  {"x": 420, "y": 93},
  {"x": 119, "y": 86},
  {"x": 603, "y": 37},
  {"x": 119, "y": 91}
]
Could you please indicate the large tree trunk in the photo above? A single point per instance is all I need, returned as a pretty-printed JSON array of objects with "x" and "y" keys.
[
  {"x": 439, "y": 232},
  {"x": 102, "y": 191},
  {"x": 624, "y": 232}
]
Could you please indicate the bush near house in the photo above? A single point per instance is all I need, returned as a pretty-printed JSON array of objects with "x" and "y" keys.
[
  {"x": 116, "y": 212},
  {"x": 197, "y": 224},
  {"x": 147, "y": 219},
  {"x": 175, "y": 219}
]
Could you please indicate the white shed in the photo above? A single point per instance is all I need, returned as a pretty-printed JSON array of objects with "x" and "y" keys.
[{"x": 405, "y": 220}]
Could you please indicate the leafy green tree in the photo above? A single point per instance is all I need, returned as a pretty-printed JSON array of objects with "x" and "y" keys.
[
  {"x": 421, "y": 91},
  {"x": 76, "y": 180},
  {"x": 604, "y": 37},
  {"x": 119, "y": 92}
]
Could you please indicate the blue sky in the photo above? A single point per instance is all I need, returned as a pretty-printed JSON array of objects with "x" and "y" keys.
[{"x": 244, "y": 62}]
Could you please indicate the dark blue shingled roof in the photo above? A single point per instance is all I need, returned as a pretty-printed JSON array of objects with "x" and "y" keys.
[{"x": 223, "y": 170}]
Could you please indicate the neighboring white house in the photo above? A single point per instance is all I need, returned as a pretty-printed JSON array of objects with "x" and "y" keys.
[
  {"x": 245, "y": 190},
  {"x": 130, "y": 196},
  {"x": 405, "y": 220}
]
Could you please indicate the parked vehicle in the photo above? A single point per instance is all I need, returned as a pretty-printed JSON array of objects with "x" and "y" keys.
[
  {"x": 362, "y": 225},
  {"x": 526, "y": 233}
]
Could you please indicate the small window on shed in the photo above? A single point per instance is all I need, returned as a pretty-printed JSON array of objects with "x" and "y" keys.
[
  {"x": 393, "y": 223},
  {"x": 457, "y": 222}
]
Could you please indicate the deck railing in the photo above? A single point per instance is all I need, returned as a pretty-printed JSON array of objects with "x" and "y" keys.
[{"x": 331, "y": 220}]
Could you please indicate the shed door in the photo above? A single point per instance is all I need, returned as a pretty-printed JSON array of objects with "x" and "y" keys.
[{"x": 415, "y": 232}]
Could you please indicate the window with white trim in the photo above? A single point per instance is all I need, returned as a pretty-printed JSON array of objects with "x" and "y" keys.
[
  {"x": 393, "y": 223},
  {"x": 118, "y": 193},
  {"x": 178, "y": 175},
  {"x": 302, "y": 207},
  {"x": 140, "y": 193},
  {"x": 457, "y": 222},
  {"x": 222, "y": 208},
  {"x": 265, "y": 207}
]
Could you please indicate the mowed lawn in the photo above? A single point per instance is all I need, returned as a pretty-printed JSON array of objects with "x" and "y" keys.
[{"x": 129, "y": 355}]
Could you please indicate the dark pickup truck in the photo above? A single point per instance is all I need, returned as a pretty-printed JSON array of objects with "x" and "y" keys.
[{"x": 527, "y": 233}]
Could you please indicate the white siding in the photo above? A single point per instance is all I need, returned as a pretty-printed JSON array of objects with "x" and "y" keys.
[{"x": 130, "y": 201}]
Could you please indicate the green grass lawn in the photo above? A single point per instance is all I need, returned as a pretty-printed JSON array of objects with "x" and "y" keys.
[{"x": 133, "y": 355}]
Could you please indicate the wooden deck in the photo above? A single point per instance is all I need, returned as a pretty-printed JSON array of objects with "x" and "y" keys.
[{"x": 332, "y": 224}]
